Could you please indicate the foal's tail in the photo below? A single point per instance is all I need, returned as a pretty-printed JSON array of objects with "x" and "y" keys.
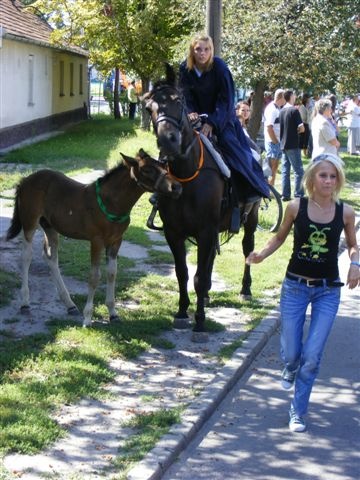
[{"x": 16, "y": 226}]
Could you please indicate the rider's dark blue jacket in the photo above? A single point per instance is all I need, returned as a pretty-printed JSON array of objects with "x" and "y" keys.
[{"x": 213, "y": 93}]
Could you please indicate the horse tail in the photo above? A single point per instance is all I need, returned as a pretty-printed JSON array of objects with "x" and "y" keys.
[{"x": 16, "y": 226}]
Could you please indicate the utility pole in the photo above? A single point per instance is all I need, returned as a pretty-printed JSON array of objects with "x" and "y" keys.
[{"x": 213, "y": 23}]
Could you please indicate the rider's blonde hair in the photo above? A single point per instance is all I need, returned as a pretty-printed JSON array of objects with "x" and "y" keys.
[
  {"x": 309, "y": 174},
  {"x": 200, "y": 37}
]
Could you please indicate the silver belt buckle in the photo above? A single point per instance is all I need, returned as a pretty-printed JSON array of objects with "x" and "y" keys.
[{"x": 308, "y": 284}]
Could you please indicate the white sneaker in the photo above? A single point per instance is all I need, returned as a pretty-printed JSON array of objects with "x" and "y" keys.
[
  {"x": 296, "y": 423},
  {"x": 287, "y": 379}
]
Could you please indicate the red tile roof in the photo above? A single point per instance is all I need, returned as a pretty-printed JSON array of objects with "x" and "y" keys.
[{"x": 20, "y": 23}]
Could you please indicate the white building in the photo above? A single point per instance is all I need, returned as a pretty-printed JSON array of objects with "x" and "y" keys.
[{"x": 42, "y": 86}]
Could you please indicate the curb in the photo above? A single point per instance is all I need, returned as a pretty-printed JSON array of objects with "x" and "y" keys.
[{"x": 166, "y": 451}]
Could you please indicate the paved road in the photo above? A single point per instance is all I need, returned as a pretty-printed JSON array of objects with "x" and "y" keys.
[{"x": 248, "y": 437}]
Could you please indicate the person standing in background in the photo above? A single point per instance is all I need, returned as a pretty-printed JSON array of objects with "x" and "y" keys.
[
  {"x": 133, "y": 99},
  {"x": 272, "y": 132},
  {"x": 353, "y": 125},
  {"x": 323, "y": 131},
  {"x": 305, "y": 113},
  {"x": 243, "y": 114},
  {"x": 290, "y": 126}
]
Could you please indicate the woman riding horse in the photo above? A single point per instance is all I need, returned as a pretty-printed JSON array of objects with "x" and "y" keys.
[{"x": 208, "y": 87}]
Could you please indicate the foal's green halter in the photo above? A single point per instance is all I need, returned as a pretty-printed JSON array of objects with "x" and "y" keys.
[{"x": 110, "y": 216}]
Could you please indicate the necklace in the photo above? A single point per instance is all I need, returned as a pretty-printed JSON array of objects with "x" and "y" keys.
[{"x": 323, "y": 209}]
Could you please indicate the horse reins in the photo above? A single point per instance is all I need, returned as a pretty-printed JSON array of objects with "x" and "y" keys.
[
  {"x": 200, "y": 165},
  {"x": 177, "y": 123}
]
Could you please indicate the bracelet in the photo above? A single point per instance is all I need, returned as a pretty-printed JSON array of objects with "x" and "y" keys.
[{"x": 355, "y": 263}]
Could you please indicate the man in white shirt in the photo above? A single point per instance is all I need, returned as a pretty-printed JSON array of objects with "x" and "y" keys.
[{"x": 272, "y": 132}]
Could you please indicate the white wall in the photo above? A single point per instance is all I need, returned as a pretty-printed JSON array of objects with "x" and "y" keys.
[
  {"x": 15, "y": 105},
  {"x": 19, "y": 102}
]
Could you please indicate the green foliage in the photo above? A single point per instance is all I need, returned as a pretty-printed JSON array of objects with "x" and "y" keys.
[
  {"x": 93, "y": 144},
  {"x": 305, "y": 44},
  {"x": 8, "y": 283},
  {"x": 135, "y": 36},
  {"x": 150, "y": 428}
]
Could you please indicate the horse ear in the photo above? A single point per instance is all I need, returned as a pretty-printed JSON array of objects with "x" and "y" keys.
[
  {"x": 170, "y": 75},
  {"x": 129, "y": 161}
]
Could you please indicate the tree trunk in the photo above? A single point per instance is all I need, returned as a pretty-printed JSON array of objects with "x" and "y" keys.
[
  {"x": 117, "y": 113},
  {"x": 145, "y": 122},
  {"x": 256, "y": 110}
]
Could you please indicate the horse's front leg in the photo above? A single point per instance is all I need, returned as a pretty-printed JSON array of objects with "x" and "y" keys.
[
  {"x": 26, "y": 256},
  {"x": 202, "y": 280},
  {"x": 248, "y": 244},
  {"x": 94, "y": 277},
  {"x": 50, "y": 254},
  {"x": 111, "y": 270},
  {"x": 177, "y": 247}
]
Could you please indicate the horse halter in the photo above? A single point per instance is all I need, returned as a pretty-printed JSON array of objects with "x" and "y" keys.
[
  {"x": 143, "y": 185},
  {"x": 165, "y": 117}
]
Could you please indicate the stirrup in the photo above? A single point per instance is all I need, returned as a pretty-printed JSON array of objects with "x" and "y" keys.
[{"x": 150, "y": 221}]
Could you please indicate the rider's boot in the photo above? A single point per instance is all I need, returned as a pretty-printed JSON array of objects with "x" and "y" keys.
[{"x": 235, "y": 221}]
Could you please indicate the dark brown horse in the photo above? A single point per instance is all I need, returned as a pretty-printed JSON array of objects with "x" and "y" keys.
[
  {"x": 198, "y": 213},
  {"x": 98, "y": 212}
]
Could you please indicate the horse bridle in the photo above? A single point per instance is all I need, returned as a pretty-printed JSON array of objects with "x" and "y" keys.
[
  {"x": 112, "y": 217},
  {"x": 179, "y": 123},
  {"x": 143, "y": 185},
  {"x": 164, "y": 117}
]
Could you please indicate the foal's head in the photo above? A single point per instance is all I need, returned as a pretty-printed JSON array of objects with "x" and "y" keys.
[{"x": 151, "y": 175}]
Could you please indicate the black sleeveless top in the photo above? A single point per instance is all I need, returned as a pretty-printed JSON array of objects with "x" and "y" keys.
[{"x": 316, "y": 245}]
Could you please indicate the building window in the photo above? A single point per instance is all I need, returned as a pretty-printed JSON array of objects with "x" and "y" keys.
[
  {"x": 71, "y": 79},
  {"x": 62, "y": 78},
  {"x": 81, "y": 79},
  {"x": 31, "y": 80}
]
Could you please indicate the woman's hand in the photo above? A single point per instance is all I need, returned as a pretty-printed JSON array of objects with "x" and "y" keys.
[
  {"x": 353, "y": 278},
  {"x": 193, "y": 117},
  {"x": 254, "y": 257}
]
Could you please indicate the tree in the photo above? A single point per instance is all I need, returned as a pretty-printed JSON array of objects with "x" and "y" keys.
[
  {"x": 309, "y": 45},
  {"x": 135, "y": 36}
]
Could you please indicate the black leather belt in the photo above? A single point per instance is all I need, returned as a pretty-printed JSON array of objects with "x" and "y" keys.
[{"x": 321, "y": 282}]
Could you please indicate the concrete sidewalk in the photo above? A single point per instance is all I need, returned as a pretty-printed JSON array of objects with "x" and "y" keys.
[{"x": 247, "y": 437}]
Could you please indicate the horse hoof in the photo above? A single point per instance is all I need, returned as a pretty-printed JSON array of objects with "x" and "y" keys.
[
  {"x": 200, "y": 337},
  {"x": 245, "y": 296},
  {"x": 114, "y": 319},
  {"x": 73, "y": 311},
  {"x": 25, "y": 310},
  {"x": 182, "y": 323}
]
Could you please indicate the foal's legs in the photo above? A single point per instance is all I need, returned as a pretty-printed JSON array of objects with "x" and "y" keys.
[
  {"x": 50, "y": 254},
  {"x": 94, "y": 277},
  {"x": 26, "y": 256},
  {"x": 248, "y": 244},
  {"x": 111, "y": 270}
]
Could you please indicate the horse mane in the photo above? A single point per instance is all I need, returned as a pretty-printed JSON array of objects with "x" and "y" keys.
[{"x": 109, "y": 173}]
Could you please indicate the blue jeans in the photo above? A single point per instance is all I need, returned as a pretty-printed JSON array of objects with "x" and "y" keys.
[
  {"x": 304, "y": 354},
  {"x": 273, "y": 150},
  {"x": 291, "y": 158}
]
